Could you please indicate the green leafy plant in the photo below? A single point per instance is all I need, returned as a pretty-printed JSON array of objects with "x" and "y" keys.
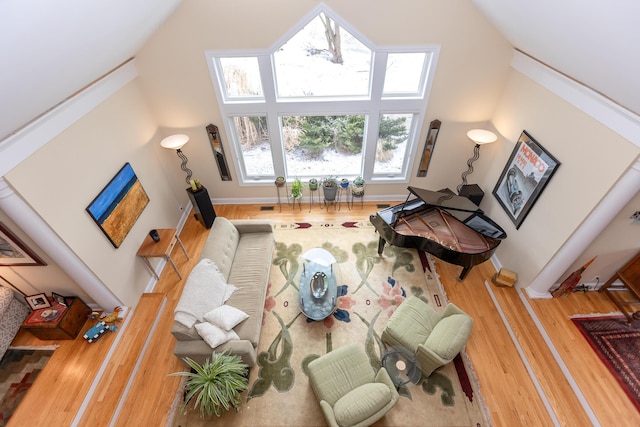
[
  {"x": 313, "y": 184},
  {"x": 216, "y": 384},
  {"x": 330, "y": 182},
  {"x": 296, "y": 188}
]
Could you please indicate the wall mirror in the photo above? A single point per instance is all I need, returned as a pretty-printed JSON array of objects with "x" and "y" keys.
[
  {"x": 434, "y": 128},
  {"x": 218, "y": 152}
]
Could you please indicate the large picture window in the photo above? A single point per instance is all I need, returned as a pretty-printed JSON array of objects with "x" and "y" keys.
[{"x": 323, "y": 101}]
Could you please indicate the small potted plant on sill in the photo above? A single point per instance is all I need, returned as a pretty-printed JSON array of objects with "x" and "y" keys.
[
  {"x": 329, "y": 188},
  {"x": 358, "y": 187},
  {"x": 296, "y": 189},
  {"x": 313, "y": 184},
  {"x": 216, "y": 384},
  {"x": 280, "y": 181},
  {"x": 344, "y": 183}
]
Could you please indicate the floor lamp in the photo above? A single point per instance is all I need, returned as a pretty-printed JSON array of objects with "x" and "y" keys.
[
  {"x": 176, "y": 142},
  {"x": 479, "y": 137}
]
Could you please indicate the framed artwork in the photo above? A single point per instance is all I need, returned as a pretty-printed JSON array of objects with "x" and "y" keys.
[
  {"x": 117, "y": 207},
  {"x": 526, "y": 174},
  {"x": 37, "y": 301},
  {"x": 14, "y": 251},
  {"x": 59, "y": 298}
]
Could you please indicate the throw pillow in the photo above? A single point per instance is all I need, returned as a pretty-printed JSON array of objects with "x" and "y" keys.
[
  {"x": 213, "y": 335},
  {"x": 225, "y": 317}
]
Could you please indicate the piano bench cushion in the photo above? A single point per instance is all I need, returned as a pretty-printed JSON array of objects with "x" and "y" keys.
[{"x": 411, "y": 324}]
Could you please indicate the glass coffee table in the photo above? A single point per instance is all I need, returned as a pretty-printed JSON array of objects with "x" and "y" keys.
[
  {"x": 318, "y": 284},
  {"x": 401, "y": 368}
]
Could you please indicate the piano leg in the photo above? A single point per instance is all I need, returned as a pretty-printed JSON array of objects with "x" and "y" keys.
[
  {"x": 381, "y": 244},
  {"x": 464, "y": 272}
]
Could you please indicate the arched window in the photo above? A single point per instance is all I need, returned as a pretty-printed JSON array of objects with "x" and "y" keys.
[{"x": 323, "y": 101}]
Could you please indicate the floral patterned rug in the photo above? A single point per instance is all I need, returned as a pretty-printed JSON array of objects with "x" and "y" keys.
[{"x": 370, "y": 288}]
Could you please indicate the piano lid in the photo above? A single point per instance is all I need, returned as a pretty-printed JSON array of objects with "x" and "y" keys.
[
  {"x": 445, "y": 199},
  {"x": 461, "y": 208}
]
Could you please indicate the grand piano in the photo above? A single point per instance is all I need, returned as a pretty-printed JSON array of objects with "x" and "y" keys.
[{"x": 441, "y": 223}]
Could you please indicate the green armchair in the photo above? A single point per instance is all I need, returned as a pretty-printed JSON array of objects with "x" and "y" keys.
[
  {"x": 350, "y": 392},
  {"x": 433, "y": 339}
]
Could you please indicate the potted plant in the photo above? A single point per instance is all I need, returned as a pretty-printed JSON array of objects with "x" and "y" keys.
[
  {"x": 344, "y": 183},
  {"x": 216, "y": 384},
  {"x": 296, "y": 189},
  {"x": 313, "y": 184},
  {"x": 329, "y": 188},
  {"x": 280, "y": 181},
  {"x": 357, "y": 189}
]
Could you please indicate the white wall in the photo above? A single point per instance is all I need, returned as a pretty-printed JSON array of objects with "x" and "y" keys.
[
  {"x": 472, "y": 66},
  {"x": 36, "y": 279},
  {"x": 592, "y": 158},
  {"x": 62, "y": 178}
]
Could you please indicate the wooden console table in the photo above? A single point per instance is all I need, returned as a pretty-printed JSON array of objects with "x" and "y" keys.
[
  {"x": 161, "y": 249},
  {"x": 629, "y": 276}
]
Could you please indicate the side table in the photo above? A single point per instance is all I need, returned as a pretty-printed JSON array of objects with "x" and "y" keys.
[
  {"x": 401, "y": 368},
  {"x": 161, "y": 249},
  {"x": 64, "y": 327}
]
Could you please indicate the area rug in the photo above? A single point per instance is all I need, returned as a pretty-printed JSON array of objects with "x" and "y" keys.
[
  {"x": 19, "y": 369},
  {"x": 370, "y": 288},
  {"x": 617, "y": 343}
]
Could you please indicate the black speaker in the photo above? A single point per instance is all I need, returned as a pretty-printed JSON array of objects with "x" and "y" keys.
[
  {"x": 154, "y": 235},
  {"x": 202, "y": 206}
]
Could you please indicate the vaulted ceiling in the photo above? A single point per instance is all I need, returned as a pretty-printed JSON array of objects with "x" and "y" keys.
[{"x": 52, "y": 49}]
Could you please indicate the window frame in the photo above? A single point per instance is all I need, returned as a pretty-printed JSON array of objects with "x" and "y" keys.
[{"x": 373, "y": 106}]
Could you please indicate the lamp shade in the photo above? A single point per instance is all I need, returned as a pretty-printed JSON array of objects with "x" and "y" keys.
[
  {"x": 175, "y": 142},
  {"x": 481, "y": 136}
]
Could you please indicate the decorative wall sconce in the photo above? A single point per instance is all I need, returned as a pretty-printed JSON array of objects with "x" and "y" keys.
[
  {"x": 176, "y": 142},
  {"x": 479, "y": 137},
  {"x": 429, "y": 145},
  {"x": 218, "y": 152}
]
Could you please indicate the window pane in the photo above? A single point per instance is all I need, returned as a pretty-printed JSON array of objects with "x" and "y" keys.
[
  {"x": 307, "y": 65},
  {"x": 317, "y": 146},
  {"x": 404, "y": 73},
  {"x": 391, "y": 147},
  {"x": 252, "y": 135},
  {"x": 241, "y": 77}
]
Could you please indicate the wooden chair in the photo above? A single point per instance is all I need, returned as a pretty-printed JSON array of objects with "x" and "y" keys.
[{"x": 629, "y": 276}]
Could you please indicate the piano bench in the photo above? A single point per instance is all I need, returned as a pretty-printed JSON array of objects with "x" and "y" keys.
[{"x": 504, "y": 278}]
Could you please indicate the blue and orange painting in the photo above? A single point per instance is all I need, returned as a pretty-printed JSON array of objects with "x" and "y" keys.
[{"x": 118, "y": 206}]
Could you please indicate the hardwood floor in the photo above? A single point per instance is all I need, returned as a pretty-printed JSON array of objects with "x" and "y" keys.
[{"x": 512, "y": 396}]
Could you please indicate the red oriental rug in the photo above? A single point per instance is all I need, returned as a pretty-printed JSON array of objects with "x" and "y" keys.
[{"x": 617, "y": 343}]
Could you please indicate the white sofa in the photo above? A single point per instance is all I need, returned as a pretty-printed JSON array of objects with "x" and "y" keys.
[{"x": 12, "y": 314}]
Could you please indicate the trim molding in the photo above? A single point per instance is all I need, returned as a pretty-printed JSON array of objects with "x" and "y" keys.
[
  {"x": 617, "y": 118},
  {"x": 36, "y": 134}
]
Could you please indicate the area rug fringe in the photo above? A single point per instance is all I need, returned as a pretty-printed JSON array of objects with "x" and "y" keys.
[
  {"x": 35, "y": 347},
  {"x": 475, "y": 385},
  {"x": 612, "y": 313}
]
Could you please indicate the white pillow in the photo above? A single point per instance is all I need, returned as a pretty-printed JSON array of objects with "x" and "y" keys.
[
  {"x": 225, "y": 317},
  {"x": 228, "y": 291},
  {"x": 213, "y": 335}
]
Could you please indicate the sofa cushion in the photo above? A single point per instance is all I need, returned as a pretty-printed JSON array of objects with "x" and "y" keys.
[
  {"x": 221, "y": 245},
  {"x": 450, "y": 335},
  {"x": 250, "y": 273},
  {"x": 204, "y": 290},
  {"x": 411, "y": 323},
  {"x": 213, "y": 335},
  {"x": 361, "y": 403},
  {"x": 225, "y": 317}
]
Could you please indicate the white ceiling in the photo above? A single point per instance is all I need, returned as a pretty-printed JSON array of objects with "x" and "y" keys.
[{"x": 52, "y": 49}]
